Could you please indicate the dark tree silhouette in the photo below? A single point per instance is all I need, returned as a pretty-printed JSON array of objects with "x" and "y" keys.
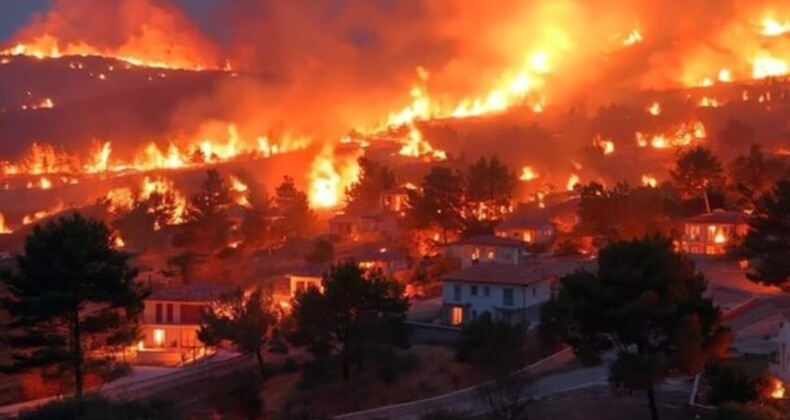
[
  {"x": 72, "y": 296},
  {"x": 439, "y": 202},
  {"x": 207, "y": 225},
  {"x": 752, "y": 175},
  {"x": 363, "y": 196},
  {"x": 490, "y": 186},
  {"x": 647, "y": 301},
  {"x": 768, "y": 240},
  {"x": 696, "y": 172},
  {"x": 294, "y": 209}
]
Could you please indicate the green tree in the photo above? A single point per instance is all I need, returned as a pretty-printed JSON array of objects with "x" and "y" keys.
[
  {"x": 363, "y": 195},
  {"x": 72, "y": 296},
  {"x": 294, "y": 208},
  {"x": 696, "y": 172},
  {"x": 494, "y": 346},
  {"x": 357, "y": 311},
  {"x": 768, "y": 239},
  {"x": 752, "y": 175},
  {"x": 439, "y": 202},
  {"x": 244, "y": 319},
  {"x": 647, "y": 302},
  {"x": 490, "y": 186}
]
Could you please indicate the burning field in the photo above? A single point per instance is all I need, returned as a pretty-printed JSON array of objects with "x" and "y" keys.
[{"x": 565, "y": 91}]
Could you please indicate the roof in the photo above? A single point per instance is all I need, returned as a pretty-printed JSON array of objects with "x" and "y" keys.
[
  {"x": 193, "y": 292},
  {"x": 518, "y": 274},
  {"x": 524, "y": 221},
  {"x": 372, "y": 252},
  {"x": 719, "y": 216},
  {"x": 309, "y": 270},
  {"x": 490, "y": 240}
]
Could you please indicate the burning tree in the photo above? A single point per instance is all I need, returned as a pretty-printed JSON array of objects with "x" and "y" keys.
[
  {"x": 752, "y": 175},
  {"x": 439, "y": 202},
  {"x": 646, "y": 301},
  {"x": 72, "y": 298},
  {"x": 363, "y": 196},
  {"x": 244, "y": 319},
  {"x": 768, "y": 240},
  {"x": 207, "y": 223},
  {"x": 490, "y": 185},
  {"x": 696, "y": 172},
  {"x": 294, "y": 208}
]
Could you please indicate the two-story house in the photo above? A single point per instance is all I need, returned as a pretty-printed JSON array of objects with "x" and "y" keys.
[
  {"x": 513, "y": 293},
  {"x": 530, "y": 230},
  {"x": 487, "y": 248},
  {"x": 394, "y": 200},
  {"x": 709, "y": 233},
  {"x": 171, "y": 319}
]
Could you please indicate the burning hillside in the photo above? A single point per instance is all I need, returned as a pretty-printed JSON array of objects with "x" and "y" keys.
[{"x": 557, "y": 88}]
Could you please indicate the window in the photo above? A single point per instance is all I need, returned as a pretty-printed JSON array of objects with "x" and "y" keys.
[
  {"x": 474, "y": 314},
  {"x": 159, "y": 336},
  {"x": 486, "y": 291},
  {"x": 507, "y": 297},
  {"x": 457, "y": 292},
  {"x": 169, "y": 313},
  {"x": 534, "y": 290},
  {"x": 456, "y": 315},
  {"x": 158, "y": 313},
  {"x": 528, "y": 236},
  {"x": 473, "y": 291}
]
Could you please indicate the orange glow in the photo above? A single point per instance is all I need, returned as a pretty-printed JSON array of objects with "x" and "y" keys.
[
  {"x": 122, "y": 199},
  {"x": 708, "y": 103},
  {"x": 328, "y": 182},
  {"x": 777, "y": 389},
  {"x": 36, "y": 216},
  {"x": 528, "y": 174},
  {"x": 654, "y": 109},
  {"x": 4, "y": 229},
  {"x": 606, "y": 146},
  {"x": 118, "y": 241},
  {"x": 240, "y": 191},
  {"x": 772, "y": 27},
  {"x": 649, "y": 181},
  {"x": 416, "y": 146},
  {"x": 572, "y": 181},
  {"x": 634, "y": 37},
  {"x": 683, "y": 135},
  {"x": 720, "y": 237}
]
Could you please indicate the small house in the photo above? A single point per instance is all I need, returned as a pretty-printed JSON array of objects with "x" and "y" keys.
[
  {"x": 530, "y": 230},
  {"x": 709, "y": 233},
  {"x": 487, "y": 248},
  {"x": 171, "y": 320},
  {"x": 512, "y": 293},
  {"x": 394, "y": 200}
]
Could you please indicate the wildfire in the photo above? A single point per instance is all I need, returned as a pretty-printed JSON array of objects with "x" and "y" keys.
[
  {"x": 572, "y": 181},
  {"x": 654, "y": 109},
  {"x": 416, "y": 146},
  {"x": 528, "y": 174},
  {"x": 606, "y": 146},
  {"x": 118, "y": 241},
  {"x": 684, "y": 135},
  {"x": 772, "y": 27},
  {"x": 122, "y": 199},
  {"x": 765, "y": 66},
  {"x": 634, "y": 37},
  {"x": 708, "y": 102},
  {"x": 4, "y": 229},
  {"x": 35, "y": 217},
  {"x": 649, "y": 181},
  {"x": 240, "y": 189},
  {"x": 328, "y": 183},
  {"x": 720, "y": 237},
  {"x": 777, "y": 389}
]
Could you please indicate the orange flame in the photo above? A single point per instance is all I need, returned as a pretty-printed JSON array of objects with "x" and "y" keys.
[
  {"x": 777, "y": 389},
  {"x": 649, "y": 181},
  {"x": 528, "y": 174},
  {"x": 4, "y": 229},
  {"x": 328, "y": 183}
]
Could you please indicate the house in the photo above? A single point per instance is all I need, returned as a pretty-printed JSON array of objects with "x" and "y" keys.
[
  {"x": 781, "y": 365},
  {"x": 171, "y": 319},
  {"x": 709, "y": 233},
  {"x": 346, "y": 226},
  {"x": 392, "y": 262},
  {"x": 529, "y": 229},
  {"x": 513, "y": 293},
  {"x": 487, "y": 248},
  {"x": 394, "y": 200}
]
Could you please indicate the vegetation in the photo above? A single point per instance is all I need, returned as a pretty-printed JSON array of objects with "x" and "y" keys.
[
  {"x": 71, "y": 299},
  {"x": 729, "y": 383},
  {"x": 357, "y": 311},
  {"x": 696, "y": 172},
  {"x": 207, "y": 225},
  {"x": 647, "y": 302},
  {"x": 439, "y": 202},
  {"x": 362, "y": 197},
  {"x": 99, "y": 408},
  {"x": 145, "y": 217},
  {"x": 490, "y": 186},
  {"x": 768, "y": 240},
  {"x": 322, "y": 252},
  {"x": 753, "y": 175},
  {"x": 294, "y": 209},
  {"x": 494, "y": 346},
  {"x": 246, "y": 320}
]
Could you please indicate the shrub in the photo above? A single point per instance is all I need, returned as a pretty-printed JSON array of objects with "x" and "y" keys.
[{"x": 98, "y": 408}]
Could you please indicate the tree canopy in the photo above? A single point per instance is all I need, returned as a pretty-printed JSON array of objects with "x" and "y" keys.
[
  {"x": 207, "y": 226},
  {"x": 697, "y": 170},
  {"x": 357, "y": 311},
  {"x": 245, "y": 319},
  {"x": 768, "y": 239},
  {"x": 72, "y": 296},
  {"x": 363, "y": 196},
  {"x": 647, "y": 302},
  {"x": 752, "y": 175},
  {"x": 294, "y": 209},
  {"x": 490, "y": 185},
  {"x": 439, "y": 202}
]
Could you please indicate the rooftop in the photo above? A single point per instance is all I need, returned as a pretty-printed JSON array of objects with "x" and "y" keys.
[
  {"x": 719, "y": 216},
  {"x": 519, "y": 275},
  {"x": 193, "y": 292},
  {"x": 524, "y": 221},
  {"x": 490, "y": 240}
]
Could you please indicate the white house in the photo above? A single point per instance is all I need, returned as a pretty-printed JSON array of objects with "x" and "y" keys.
[
  {"x": 513, "y": 293},
  {"x": 487, "y": 248},
  {"x": 781, "y": 367}
]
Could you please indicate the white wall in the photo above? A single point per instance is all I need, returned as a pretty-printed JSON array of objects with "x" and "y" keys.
[
  {"x": 502, "y": 255},
  {"x": 149, "y": 312},
  {"x": 523, "y": 296}
]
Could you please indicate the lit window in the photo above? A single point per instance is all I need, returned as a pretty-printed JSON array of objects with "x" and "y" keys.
[
  {"x": 528, "y": 236},
  {"x": 159, "y": 337},
  {"x": 457, "y": 316}
]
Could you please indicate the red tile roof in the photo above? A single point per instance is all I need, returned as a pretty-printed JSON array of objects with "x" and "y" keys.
[
  {"x": 490, "y": 240},
  {"x": 518, "y": 274},
  {"x": 193, "y": 292}
]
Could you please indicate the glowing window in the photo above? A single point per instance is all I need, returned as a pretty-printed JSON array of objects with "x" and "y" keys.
[
  {"x": 159, "y": 337},
  {"x": 456, "y": 316}
]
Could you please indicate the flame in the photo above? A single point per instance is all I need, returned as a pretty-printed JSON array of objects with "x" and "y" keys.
[
  {"x": 36, "y": 216},
  {"x": 118, "y": 241},
  {"x": 240, "y": 189},
  {"x": 4, "y": 229},
  {"x": 708, "y": 103},
  {"x": 654, "y": 109},
  {"x": 528, "y": 174},
  {"x": 772, "y": 27},
  {"x": 683, "y": 135},
  {"x": 572, "y": 181},
  {"x": 725, "y": 76},
  {"x": 649, "y": 181},
  {"x": 764, "y": 66},
  {"x": 416, "y": 146},
  {"x": 122, "y": 199},
  {"x": 634, "y": 37},
  {"x": 720, "y": 237},
  {"x": 606, "y": 146},
  {"x": 777, "y": 389},
  {"x": 328, "y": 183}
]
